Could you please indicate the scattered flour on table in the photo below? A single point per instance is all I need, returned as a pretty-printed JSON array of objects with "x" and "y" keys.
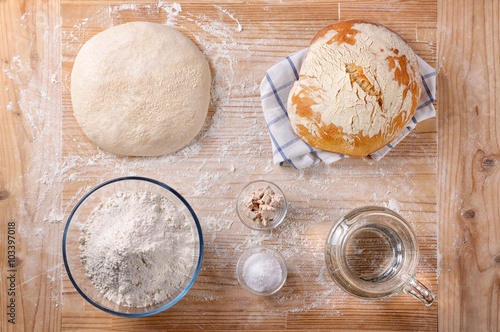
[
  {"x": 137, "y": 248},
  {"x": 216, "y": 161},
  {"x": 10, "y": 107},
  {"x": 392, "y": 205},
  {"x": 228, "y": 13}
]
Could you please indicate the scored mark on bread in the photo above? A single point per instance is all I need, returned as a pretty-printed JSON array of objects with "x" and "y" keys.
[
  {"x": 371, "y": 82},
  {"x": 357, "y": 76}
]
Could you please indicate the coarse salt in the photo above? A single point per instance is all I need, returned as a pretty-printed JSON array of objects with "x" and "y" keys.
[{"x": 262, "y": 272}]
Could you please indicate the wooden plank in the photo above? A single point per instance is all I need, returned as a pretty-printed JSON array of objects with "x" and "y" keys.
[
  {"x": 235, "y": 149},
  {"x": 29, "y": 106},
  {"x": 469, "y": 172},
  {"x": 210, "y": 172},
  {"x": 11, "y": 167}
]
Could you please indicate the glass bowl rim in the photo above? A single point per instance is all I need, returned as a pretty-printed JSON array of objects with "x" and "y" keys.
[
  {"x": 272, "y": 225},
  {"x": 184, "y": 291},
  {"x": 239, "y": 265}
]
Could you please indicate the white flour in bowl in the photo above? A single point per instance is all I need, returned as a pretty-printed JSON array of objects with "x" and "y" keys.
[{"x": 137, "y": 248}]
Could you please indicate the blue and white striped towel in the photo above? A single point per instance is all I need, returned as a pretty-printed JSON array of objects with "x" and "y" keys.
[{"x": 288, "y": 148}]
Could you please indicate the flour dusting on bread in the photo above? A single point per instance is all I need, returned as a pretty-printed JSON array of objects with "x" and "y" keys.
[{"x": 358, "y": 88}]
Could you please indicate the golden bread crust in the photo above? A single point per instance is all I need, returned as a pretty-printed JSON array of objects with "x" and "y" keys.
[{"x": 358, "y": 88}]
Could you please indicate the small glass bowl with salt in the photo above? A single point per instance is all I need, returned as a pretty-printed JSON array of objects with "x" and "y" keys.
[
  {"x": 261, "y": 205},
  {"x": 261, "y": 270}
]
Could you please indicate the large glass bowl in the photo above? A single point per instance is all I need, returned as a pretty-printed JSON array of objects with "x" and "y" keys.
[{"x": 71, "y": 244}]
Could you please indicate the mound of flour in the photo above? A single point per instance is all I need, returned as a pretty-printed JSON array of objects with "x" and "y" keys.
[{"x": 137, "y": 248}]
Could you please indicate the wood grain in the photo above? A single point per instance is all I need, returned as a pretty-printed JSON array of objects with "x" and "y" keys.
[
  {"x": 41, "y": 141},
  {"x": 30, "y": 128},
  {"x": 469, "y": 172},
  {"x": 11, "y": 166},
  {"x": 309, "y": 299}
]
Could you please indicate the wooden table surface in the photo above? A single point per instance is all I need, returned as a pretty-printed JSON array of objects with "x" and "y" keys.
[{"x": 444, "y": 177}]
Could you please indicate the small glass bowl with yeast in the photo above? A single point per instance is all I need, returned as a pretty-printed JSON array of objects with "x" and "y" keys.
[
  {"x": 149, "y": 190},
  {"x": 261, "y": 205}
]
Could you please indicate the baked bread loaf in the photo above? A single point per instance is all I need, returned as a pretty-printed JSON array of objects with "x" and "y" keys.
[{"x": 358, "y": 88}]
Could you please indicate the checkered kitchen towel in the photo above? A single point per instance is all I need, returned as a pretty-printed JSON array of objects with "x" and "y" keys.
[{"x": 288, "y": 148}]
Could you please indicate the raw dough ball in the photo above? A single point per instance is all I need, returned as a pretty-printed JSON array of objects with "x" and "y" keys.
[
  {"x": 140, "y": 89},
  {"x": 358, "y": 88}
]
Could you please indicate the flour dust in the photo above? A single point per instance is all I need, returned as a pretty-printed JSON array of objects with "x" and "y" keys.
[{"x": 232, "y": 149}]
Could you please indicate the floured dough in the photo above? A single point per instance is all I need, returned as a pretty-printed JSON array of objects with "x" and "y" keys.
[
  {"x": 140, "y": 89},
  {"x": 358, "y": 88}
]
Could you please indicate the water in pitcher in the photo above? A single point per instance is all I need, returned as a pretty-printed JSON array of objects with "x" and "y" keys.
[{"x": 373, "y": 253}]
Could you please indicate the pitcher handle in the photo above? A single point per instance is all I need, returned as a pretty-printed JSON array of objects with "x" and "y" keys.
[{"x": 415, "y": 288}]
